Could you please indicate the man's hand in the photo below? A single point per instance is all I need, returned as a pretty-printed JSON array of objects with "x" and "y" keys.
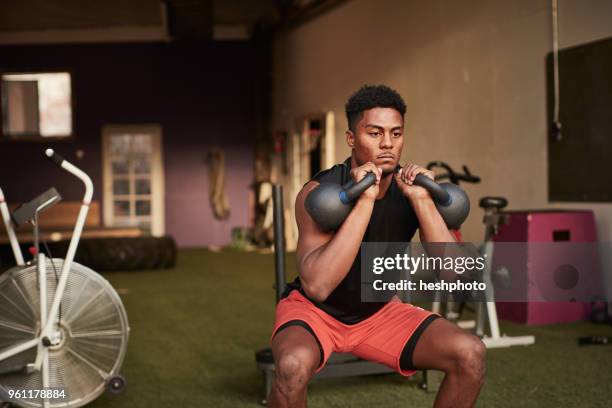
[
  {"x": 405, "y": 180},
  {"x": 360, "y": 172}
]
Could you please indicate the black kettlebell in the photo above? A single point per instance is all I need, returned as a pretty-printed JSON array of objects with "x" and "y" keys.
[
  {"x": 450, "y": 200},
  {"x": 329, "y": 204}
]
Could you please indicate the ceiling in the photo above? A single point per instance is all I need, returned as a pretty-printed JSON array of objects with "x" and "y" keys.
[
  {"x": 20, "y": 16},
  {"x": 77, "y": 14},
  {"x": 65, "y": 21},
  {"x": 80, "y": 14}
]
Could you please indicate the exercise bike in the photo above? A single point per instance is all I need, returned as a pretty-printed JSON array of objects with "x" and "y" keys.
[
  {"x": 486, "y": 312},
  {"x": 456, "y": 178},
  {"x": 63, "y": 328}
]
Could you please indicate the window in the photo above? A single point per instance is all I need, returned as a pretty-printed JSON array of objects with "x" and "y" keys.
[{"x": 36, "y": 105}]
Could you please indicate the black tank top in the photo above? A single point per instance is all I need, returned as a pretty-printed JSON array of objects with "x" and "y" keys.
[{"x": 392, "y": 220}]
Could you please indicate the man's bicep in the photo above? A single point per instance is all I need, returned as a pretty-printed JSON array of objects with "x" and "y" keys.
[{"x": 310, "y": 236}]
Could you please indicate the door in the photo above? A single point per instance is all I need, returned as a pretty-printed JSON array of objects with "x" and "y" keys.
[
  {"x": 311, "y": 149},
  {"x": 133, "y": 177}
]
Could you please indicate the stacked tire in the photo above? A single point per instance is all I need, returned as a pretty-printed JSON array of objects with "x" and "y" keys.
[
  {"x": 127, "y": 254},
  {"x": 111, "y": 254}
]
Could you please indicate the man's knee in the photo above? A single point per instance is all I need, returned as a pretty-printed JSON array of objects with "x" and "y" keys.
[
  {"x": 469, "y": 358},
  {"x": 293, "y": 370}
]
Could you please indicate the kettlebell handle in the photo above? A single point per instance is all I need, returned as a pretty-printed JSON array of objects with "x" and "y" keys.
[
  {"x": 351, "y": 190},
  {"x": 437, "y": 192}
]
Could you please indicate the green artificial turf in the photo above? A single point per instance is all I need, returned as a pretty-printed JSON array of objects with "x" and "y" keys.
[{"x": 194, "y": 330}]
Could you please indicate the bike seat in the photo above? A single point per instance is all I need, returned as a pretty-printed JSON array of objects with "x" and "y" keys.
[{"x": 493, "y": 202}]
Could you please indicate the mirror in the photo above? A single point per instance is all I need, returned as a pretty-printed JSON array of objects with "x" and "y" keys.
[{"x": 36, "y": 105}]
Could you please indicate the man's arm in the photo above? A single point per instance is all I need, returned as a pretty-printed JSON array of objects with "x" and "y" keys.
[
  {"x": 432, "y": 227},
  {"x": 325, "y": 258}
]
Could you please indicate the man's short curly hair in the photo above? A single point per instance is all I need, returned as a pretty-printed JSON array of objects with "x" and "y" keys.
[{"x": 372, "y": 96}]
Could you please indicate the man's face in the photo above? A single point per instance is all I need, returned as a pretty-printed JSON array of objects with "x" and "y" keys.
[{"x": 378, "y": 137}]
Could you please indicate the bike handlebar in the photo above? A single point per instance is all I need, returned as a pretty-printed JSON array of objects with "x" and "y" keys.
[
  {"x": 54, "y": 157},
  {"x": 74, "y": 240},
  {"x": 75, "y": 171},
  {"x": 452, "y": 175}
]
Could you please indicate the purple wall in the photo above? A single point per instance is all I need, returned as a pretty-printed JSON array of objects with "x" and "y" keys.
[{"x": 203, "y": 95}]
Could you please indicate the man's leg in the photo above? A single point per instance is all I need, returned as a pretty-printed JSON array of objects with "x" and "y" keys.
[
  {"x": 461, "y": 355},
  {"x": 297, "y": 356}
]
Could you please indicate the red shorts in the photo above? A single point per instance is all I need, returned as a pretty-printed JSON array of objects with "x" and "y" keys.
[{"x": 380, "y": 338}]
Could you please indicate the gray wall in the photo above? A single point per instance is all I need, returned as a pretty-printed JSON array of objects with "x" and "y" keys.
[{"x": 472, "y": 73}]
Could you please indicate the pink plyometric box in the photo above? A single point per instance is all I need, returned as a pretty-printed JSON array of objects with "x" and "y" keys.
[{"x": 546, "y": 226}]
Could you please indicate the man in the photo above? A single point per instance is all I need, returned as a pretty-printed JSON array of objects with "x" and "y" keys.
[{"x": 322, "y": 310}]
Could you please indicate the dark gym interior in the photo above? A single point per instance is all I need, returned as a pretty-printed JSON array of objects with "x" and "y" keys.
[{"x": 198, "y": 123}]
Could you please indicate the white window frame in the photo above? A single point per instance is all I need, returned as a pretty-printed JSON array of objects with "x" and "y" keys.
[{"x": 158, "y": 221}]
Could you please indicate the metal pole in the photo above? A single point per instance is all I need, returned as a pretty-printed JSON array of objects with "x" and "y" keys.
[{"x": 279, "y": 240}]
